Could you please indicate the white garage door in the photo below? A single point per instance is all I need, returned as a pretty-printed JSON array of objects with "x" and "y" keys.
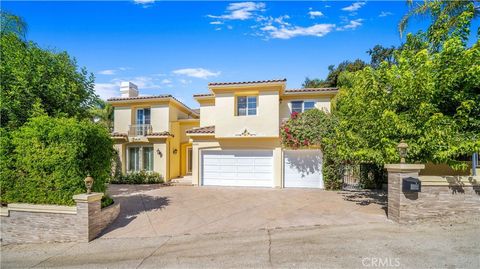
[
  {"x": 303, "y": 168},
  {"x": 237, "y": 168}
]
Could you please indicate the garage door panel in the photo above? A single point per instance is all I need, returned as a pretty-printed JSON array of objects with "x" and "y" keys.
[
  {"x": 237, "y": 168},
  {"x": 303, "y": 168}
]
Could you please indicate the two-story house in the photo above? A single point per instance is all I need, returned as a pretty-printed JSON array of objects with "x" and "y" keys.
[
  {"x": 238, "y": 141},
  {"x": 150, "y": 132}
]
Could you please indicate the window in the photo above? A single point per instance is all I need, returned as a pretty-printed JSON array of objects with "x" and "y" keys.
[
  {"x": 143, "y": 116},
  {"x": 148, "y": 158},
  {"x": 297, "y": 106},
  {"x": 307, "y": 105},
  {"x": 246, "y": 105},
  {"x": 140, "y": 158},
  {"x": 302, "y": 106}
]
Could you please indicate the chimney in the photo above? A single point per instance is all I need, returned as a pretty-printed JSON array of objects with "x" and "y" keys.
[{"x": 128, "y": 89}]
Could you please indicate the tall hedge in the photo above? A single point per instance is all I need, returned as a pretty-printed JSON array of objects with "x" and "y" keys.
[{"x": 46, "y": 160}]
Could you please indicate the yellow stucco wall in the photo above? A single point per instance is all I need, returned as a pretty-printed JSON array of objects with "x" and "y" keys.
[
  {"x": 121, "y": 119},
  {"x": 159, "y": 117},
  {"x": 322, "y": 103},
  {"x": 207, "y": 112},
  {"x": 264, "y": 124},
  {"x": 273, "y": 144}
]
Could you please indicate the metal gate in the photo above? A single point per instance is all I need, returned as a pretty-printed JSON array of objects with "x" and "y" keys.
[{"x": 351, "y": 177}]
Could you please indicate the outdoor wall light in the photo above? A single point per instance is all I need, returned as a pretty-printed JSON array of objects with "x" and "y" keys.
[
  {"x": 89, "y": 183},
  {"x": 402, "y": 150},
  {"x": 159, "y": 152},
  {"x": 175, "y": 151}
]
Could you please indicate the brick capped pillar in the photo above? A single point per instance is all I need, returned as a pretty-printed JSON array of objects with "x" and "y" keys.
[
  {"x": 397, "y": 200},
  {"x": 88, "y": 207}
]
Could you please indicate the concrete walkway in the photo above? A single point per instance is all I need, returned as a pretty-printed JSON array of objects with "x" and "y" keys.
[
  {"x": 153, "y": 210},
  {"x": 378, "y": 245}
]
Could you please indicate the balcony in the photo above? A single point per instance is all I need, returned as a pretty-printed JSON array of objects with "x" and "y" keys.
[{"x": 139, "y": 130}]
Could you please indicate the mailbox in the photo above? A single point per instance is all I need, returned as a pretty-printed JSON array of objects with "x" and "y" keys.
[{"x": 411, "y": 184}]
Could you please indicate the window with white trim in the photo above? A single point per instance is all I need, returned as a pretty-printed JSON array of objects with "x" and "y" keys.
[
  {"x": 302, "y": 106},
  {"x": 246, "y": 105},
  {"x": 140, "y": 158}
]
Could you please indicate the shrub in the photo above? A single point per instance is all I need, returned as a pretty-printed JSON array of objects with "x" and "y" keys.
[
  {"x": 46, "y": 160},
  {"x": 141, "y": 177},
  {"x": 106, "y": 201}
]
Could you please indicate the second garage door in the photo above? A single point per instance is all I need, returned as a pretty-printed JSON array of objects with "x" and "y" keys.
[
  {"x": 303, "y": 168},
  {"x": 237, "y": 168}
]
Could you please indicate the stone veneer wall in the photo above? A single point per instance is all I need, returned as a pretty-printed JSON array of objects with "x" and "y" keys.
[
  {"x": 26, "y": 223},
  {"x": 440, "y": 196}
]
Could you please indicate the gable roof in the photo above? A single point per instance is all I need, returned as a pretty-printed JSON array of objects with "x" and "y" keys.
[{"x": 163, "y": 96}]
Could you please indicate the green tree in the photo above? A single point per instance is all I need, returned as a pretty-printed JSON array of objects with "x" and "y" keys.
[
  {"x": 102, "y": 114},
  {"x": 333, "y": 73},
  {"x": 30, "y": 75},
  {"x": 446, "y": 16},
  {"x": 46, "y": 160},
  {"x": 379, "y": 54},
  {"x": 430, "y": 99},
  {"x": 12, "y": 24}
]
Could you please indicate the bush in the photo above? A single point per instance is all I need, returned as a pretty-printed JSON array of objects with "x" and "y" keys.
[
  {"x": 46, "y": 160},
  {"x": 106, "y": 201},
  {"x": 141, "y": 177}
]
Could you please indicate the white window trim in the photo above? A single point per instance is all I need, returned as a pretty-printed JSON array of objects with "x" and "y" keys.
[
  {"x": 247, "y": 109},
  {"x": 140, "y": 158},
  {"x": 290, "y": 105}
]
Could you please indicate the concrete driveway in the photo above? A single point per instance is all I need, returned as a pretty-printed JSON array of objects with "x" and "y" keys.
[{"x": 153, "y": 210}]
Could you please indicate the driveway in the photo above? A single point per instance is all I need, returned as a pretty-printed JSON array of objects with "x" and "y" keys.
[{"x": 153, "y": 210}]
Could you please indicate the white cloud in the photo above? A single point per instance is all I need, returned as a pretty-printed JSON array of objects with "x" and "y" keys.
[
  {"x": 353, "y": 24},
  {"x": 196, "y": 72},
  {"x": 107, "y": 72},
  {"x": 166, "y": 81},
  {"x": 184, "y": 81},
  {"x": 240, "y": 11},
  {"x": 143, "y": 2},
  {"x": 385, "y": 14},
  {"x": 354, "y": 7},
  {"x": 107, "y": 90},
  {"x": 313, "y": 14},
  {"x": 216, "y": 22},
  {"x": 283, "y": 32}
]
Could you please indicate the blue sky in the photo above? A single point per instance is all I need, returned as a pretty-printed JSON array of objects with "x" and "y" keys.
[{"x": 178, "y": 47}]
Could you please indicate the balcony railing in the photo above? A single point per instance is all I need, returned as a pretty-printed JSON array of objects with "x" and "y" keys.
[{"x": 140, "y": 130}]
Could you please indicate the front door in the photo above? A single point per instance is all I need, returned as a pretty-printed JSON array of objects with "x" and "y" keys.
[{"x": 189, "y": 160}]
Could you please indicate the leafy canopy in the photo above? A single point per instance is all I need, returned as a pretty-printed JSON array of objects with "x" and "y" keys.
[
  {"x": 32, "y": 76},
  {"x": 46, "y": 160},
  {"x": 430, "y": 99}
]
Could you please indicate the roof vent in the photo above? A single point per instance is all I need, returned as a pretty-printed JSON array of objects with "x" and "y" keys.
[{"x": 128, "y": 89}]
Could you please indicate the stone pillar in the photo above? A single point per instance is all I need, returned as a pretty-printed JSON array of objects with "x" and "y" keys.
[
  {"x": 88, "y": 207},
  {"x": 397, "y": 206}
]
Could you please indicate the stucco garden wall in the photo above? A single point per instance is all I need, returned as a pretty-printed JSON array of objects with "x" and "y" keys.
[{"x": 27, "y": 223}]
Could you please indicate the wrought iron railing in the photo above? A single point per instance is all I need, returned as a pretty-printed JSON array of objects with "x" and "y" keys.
[{"x": 140, "y": 129}]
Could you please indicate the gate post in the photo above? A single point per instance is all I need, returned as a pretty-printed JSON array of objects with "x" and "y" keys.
[{"x": 396, "y": 197}]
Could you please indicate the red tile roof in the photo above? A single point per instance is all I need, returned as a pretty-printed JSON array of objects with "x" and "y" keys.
[
  {"x": 119, "y": 99},
  {"x": 161, "y": 134},
  {"x": 119, "y": 135},
  {"x": 311, "y": 90},
  {"x": 202, "y": 130},
  {"x": 113, "y": 99},
  {"x": 246, "y": 82},
  {"x": 203, "y": 95}
]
